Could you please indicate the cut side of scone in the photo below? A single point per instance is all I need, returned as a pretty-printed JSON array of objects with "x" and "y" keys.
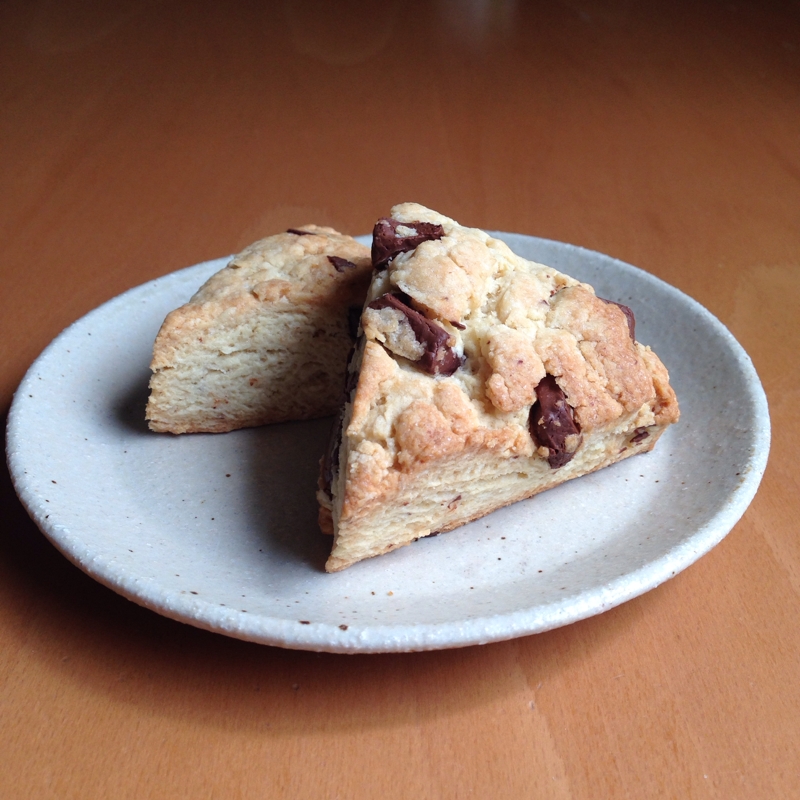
[
  {"x": 264, "y": 340},
  {"x": 479, "y": 379}
]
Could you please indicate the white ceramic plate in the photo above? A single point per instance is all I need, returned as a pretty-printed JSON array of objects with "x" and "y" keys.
[{"x": 220, "y": 530}]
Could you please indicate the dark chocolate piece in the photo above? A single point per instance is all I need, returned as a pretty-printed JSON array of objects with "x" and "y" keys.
[
  {"x": 639, "y": 435},
  {"x": 386, "y": 243},
  {"x": 628, "y": 312},
  {"x": 341, "y": 264},
  {"x": 298, "y": 232},
  {"x": 551, "y": 422},
  {"x": 439, "y": 358}
]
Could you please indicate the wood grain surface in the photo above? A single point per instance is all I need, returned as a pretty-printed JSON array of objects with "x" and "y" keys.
[{"x": 140, "y": 137}]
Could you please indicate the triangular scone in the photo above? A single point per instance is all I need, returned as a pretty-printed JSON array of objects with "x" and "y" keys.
[
  {"x": 479, "y": 379},
  {"x": 265, "y": 339}
]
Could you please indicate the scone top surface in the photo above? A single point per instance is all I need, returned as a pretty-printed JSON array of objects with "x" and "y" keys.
[
  {"x": 292, "y": 268},
  {"x": 521, "y": 320},
  {"x": 509, "y": 323}
]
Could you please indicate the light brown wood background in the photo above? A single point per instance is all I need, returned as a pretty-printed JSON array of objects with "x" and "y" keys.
[{"x": 140, "y": 137}]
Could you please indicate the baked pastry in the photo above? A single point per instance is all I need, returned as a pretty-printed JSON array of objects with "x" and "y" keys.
[
  {"x": 265, "y": 339},
  {"x": 479, "y": 379}
]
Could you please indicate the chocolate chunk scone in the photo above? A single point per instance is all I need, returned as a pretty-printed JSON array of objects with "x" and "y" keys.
[
  {"x": 479, "y": 379},
  {"x": 265, "y": 339}
]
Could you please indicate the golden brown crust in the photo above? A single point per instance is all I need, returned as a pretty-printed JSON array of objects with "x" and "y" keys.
[
  {"x": 423, "y": 434},
  {"x": 325, "y": 520},
  {"x": 516, "y": 369},
  {"x": 301, "y": 266},
  {"x": 666, "y": 406},
  {"x": 594, "y": 359}
]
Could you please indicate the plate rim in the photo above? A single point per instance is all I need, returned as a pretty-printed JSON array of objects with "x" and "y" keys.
[{"x": 411, "y": 637}]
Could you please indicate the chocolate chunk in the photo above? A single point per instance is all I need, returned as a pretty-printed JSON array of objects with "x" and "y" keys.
[
  {"x": 387, "y": 243},
  {"x": 298, "y": 232},
  {"x": 353, "y": 320},
  {"x": 552, "y": 422},
  {"x": 639, "y": 435},
  {"x": 341, "y": 264},
  {"x": 439, "y": 358},
  {"x": 628, "y": 315}
]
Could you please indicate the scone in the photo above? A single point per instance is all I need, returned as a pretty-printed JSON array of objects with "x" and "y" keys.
[
  {"x": 266, "y": 339},
  {"x": 479, "y": 379}
]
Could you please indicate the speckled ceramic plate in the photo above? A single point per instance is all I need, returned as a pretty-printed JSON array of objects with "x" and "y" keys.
[{"x": 219, "y": 531}]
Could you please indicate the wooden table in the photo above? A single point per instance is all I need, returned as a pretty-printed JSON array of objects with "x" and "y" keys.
[{"x": 138, "y": 138}]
